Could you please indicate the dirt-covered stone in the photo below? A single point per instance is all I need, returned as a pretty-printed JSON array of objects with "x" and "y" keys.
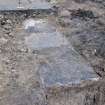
[{"x": 53, "y": 56}]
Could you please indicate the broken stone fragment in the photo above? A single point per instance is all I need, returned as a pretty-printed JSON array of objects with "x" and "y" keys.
[
  {"x": 63, "y": 66},
  {"x": 67, "y": 66}
]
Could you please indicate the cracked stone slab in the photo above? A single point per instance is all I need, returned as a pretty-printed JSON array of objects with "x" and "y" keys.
[{"x": 24, "y": 4}]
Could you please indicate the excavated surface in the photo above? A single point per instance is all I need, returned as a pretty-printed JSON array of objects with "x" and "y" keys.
[{"x": 52, "y": 55}]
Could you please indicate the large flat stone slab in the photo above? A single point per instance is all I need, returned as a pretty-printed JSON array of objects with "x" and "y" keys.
[
  {"x": 64, "y": 67},
  {"x": 24, "y": 4},
  {"x": 61, "y": 64}
]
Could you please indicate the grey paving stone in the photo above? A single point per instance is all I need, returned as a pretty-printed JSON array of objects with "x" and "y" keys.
[{"x": 24, "y": 4}]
